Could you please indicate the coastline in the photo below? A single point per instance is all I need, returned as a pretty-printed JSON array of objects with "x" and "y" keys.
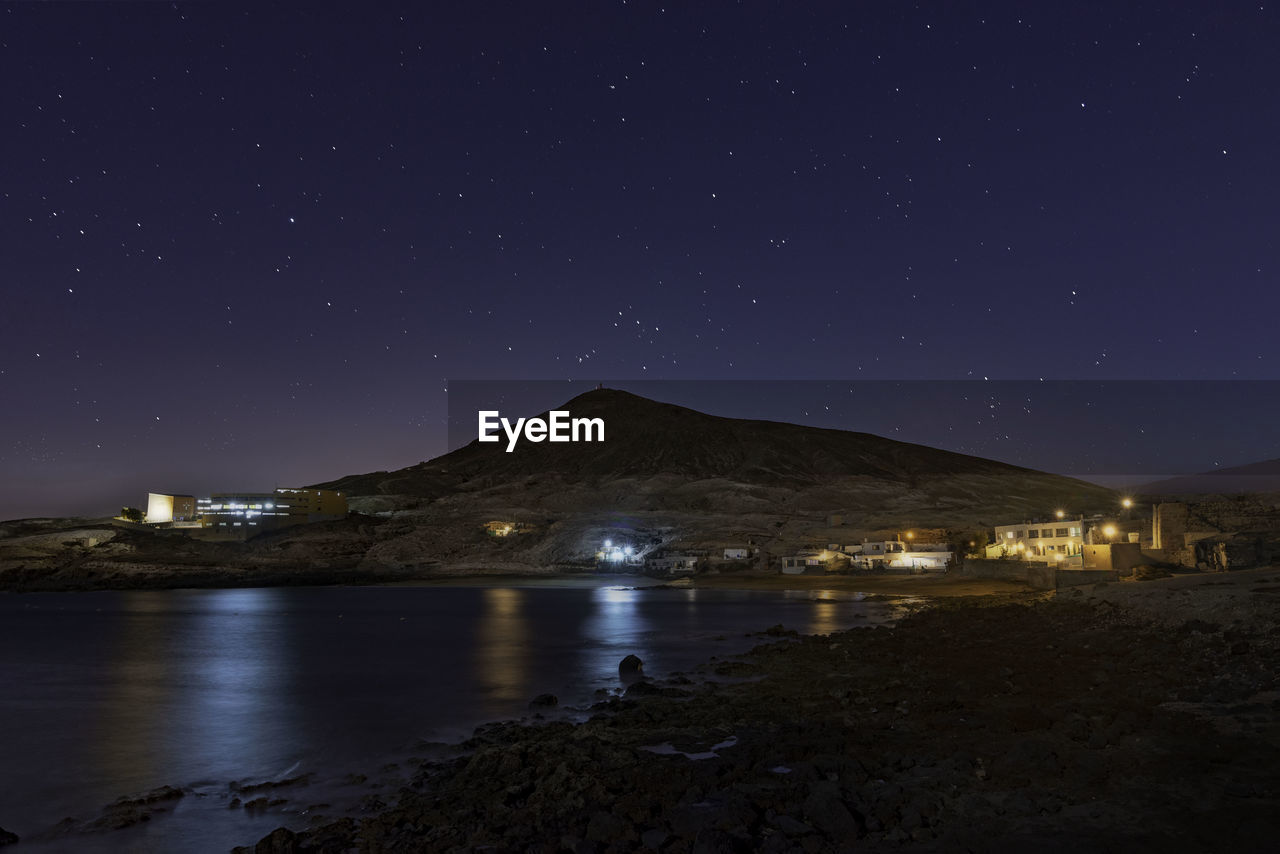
[{"x": 1109, "y": 718}]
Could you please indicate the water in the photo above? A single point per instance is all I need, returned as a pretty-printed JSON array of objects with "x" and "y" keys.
[{"x": 114, "y": 693}]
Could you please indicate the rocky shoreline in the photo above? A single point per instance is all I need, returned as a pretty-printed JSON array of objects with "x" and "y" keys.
[{"x": 996, "y": 723}]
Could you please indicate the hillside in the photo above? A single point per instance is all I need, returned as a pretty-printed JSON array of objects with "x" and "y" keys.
[
  {"x": 1260, "y": 477},
  {"x": 665, "y": 477},
  {"x": 671, "y": 475}
]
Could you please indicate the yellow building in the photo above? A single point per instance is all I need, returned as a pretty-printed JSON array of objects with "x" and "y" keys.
[{"x": 163, "y": 507}]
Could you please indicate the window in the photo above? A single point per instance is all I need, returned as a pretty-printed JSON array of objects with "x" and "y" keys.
[
  {"x": 1033, "y": 534},
  {"x": 1075, "y": 532},
  {"x": 1061, "y": 532},
  {"x": 1021, "y": 534},
  {"x": 1008, "y": 535}
]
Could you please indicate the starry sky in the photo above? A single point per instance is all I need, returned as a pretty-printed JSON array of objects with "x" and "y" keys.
[{"x": 248, "y": 245}]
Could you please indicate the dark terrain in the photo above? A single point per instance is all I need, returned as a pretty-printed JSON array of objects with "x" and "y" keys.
[{"x": 1074, "y": 723}]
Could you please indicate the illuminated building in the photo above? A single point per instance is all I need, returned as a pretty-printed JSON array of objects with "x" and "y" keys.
[
  {"x": 163, "y": 507},
  {"x": 266, "y": 510}
]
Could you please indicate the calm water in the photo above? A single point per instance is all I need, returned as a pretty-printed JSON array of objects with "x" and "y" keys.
[{"x": 114, "y": 693}]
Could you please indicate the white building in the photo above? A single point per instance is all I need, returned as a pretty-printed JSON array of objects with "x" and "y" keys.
[{"x": 737, "y": 553}]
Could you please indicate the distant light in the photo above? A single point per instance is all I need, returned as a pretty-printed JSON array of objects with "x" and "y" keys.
[
  {"x": 1109, "y": 530},
  {"x": 1061, "y": 513},
  {"x": 608, "y": 544},
  {"x": 1128, "y": 502}
]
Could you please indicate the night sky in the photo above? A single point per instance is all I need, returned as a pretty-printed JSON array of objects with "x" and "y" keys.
[{"x": 248, "y": 245}]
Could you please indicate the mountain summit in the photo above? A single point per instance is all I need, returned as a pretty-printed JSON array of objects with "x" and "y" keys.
[{"x": 645, "y": 438}]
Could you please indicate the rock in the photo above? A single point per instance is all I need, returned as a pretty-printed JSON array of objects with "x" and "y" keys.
[
  {"x": 653, "y": 839},
  {"x": 792, "y": 827},
  {"x": 545, "y": 701},
  {"x": 606, "y": 828},
  {"x": 630, "y": 664},
  {"x": 7, "y": 838},
  {"x": 825, "y": 809},
  {"x": 642, "y": 688},
  {"x": 279, "y": 841}
]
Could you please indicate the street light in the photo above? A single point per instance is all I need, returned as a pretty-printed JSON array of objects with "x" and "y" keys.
[
  {"x": 1062, "y": 514},
  {"x": 1109, "y": 531}
]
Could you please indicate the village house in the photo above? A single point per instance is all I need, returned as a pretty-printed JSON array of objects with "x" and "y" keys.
[
  {"x": 1062, "y": 541},
  {"x": 672, "y": 564},
  {"x": 806, "y": 562}
]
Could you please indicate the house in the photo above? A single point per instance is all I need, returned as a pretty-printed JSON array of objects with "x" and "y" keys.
[
  {"x": 804, "y": 563},
  {"x": 737, "y": 553},
  {"x": 899, "y": 555},
  {"x": 675, "y": 564},
  {"x": 1061, "y": 540},
  {"x": 249, "y": 513}
]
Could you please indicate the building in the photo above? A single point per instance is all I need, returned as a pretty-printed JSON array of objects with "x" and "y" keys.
[
  {"x": 897, "y": 554},
  {"x": 804, "y": 563},
  {"x": 164, "y": 508},
  {"x": 1061, "y": 540},
  {"x": 676, "y": 564},
  {"x": 737, "y": 553},
  {"x": 268, "y": 510}
]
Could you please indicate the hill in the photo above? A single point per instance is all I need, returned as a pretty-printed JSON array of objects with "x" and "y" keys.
[
  {"x": 669, "y": 475},
  {"x": 1259, "y": 477}
]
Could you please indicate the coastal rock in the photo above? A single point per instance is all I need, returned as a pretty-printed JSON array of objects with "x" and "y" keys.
[
  {"x": 631, "y": 664},
  {"x": 7, "y": 838},
  {"x": 279, "y": 841},
  {"x": 544, "y": 701}
]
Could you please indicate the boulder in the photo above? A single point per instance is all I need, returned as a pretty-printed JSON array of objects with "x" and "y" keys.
[
  {"x": 544, "y": 701},
  {"x": 630, "y": 664},
  {"x": 7, "y": 838}
]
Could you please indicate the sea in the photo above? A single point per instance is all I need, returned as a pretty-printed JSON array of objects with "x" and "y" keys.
[{"x": 115, "y": 693}]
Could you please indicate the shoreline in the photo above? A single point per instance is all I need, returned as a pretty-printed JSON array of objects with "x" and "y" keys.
[
  {"x": 993, "y": 723},
  {"x": 157, "y": 577}
]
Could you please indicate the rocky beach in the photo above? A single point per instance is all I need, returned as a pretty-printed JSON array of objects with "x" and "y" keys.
[{"x": 1123, "y": 717}]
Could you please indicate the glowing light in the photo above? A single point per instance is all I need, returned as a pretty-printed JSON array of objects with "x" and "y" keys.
[
  {"x": 1128, "y": 502},
  {"x": 1061, "y": 513},
  {"x": 1109, "y": 530},
  {"x": 608, "y": 544}
]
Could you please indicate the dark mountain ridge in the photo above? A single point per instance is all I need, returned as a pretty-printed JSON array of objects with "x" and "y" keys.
[{"x": 646, "y": 438}]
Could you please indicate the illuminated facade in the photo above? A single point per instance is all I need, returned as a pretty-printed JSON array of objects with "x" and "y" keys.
[
  {"x": 163, "y": 507},
  {"x": 1048, "y": 542},
  {"x": 253, "y": 512}
]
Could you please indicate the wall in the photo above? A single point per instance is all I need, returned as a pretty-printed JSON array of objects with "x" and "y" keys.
[
  {"x": 1122, "y": 557},
  {"x": 1043, "y": 577},
  {"x": 1011, "y": 570}
]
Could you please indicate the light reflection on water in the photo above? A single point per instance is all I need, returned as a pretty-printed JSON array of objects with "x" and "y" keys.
[
  {"x": 501, "y": 654},
  {"x": 115, "y": 693}
]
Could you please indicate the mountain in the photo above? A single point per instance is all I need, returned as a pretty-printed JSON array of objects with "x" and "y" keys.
[
  {"x": 1259, "y": 477},
  {"x": 665, "y": 477},
  {"x": 669, "y": 475}
]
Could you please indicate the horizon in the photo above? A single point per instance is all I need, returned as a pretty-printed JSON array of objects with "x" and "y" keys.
[{"x": 731, "y": 396}]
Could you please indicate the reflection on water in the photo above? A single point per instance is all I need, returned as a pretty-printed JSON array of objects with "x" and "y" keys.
[
  {"x": 824, "y": 622},
  {"x": 502, "y": 640},
  {"x": 612, "y": 631},
  {"x": 194, "y": 686},
  {"x": 113, "y": 693}
]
